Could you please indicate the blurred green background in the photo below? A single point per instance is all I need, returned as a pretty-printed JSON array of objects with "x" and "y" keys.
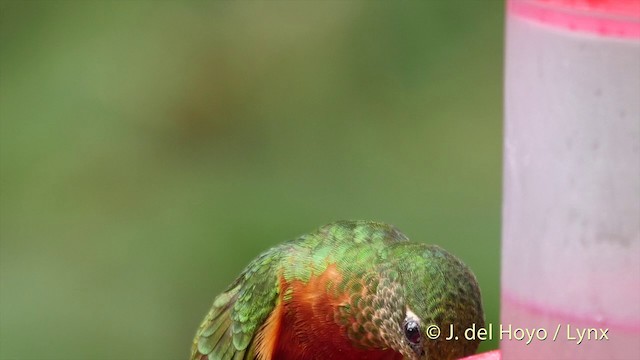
[{"x": 150, "y": 150}]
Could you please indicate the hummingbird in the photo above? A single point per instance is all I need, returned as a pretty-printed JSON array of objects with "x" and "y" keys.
[{"x": 348, "y": 290}]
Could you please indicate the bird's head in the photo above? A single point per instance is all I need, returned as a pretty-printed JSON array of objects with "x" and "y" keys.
[{"x": 438, "y": 292}]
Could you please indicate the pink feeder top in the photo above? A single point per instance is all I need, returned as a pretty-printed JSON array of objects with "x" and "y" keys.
[{"x": 609, "y": 18}]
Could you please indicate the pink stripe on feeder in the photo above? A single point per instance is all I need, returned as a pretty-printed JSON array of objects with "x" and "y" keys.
[
  {"x": 489, "y": 355},
  {"x": 602, "y": 17}
]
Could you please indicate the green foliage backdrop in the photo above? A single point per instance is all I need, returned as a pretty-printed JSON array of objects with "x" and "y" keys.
[{"x": 150, "y": 149}]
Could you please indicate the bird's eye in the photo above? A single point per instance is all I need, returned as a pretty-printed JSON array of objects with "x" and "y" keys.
[{"x": 412, "y": 331}]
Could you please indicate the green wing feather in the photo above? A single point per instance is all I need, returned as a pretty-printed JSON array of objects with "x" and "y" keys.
[{"x": 228, "y": 331}]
